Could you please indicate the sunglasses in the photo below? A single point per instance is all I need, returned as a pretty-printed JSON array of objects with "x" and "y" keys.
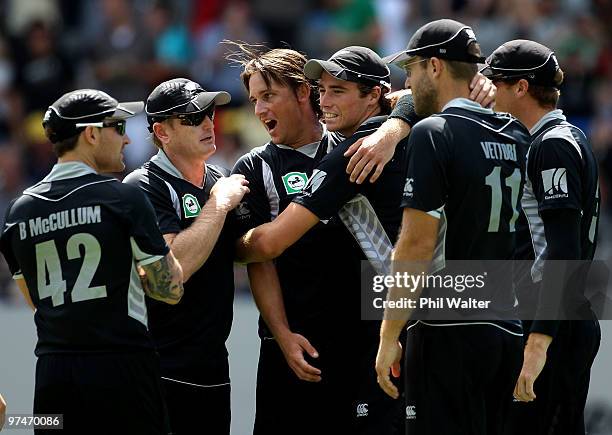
[
  {"x": 196, "y": 118},
  {"x": 119, "y": 125}
]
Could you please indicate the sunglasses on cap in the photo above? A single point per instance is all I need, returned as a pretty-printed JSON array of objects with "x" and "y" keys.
[{"x": 119, "y": 125}]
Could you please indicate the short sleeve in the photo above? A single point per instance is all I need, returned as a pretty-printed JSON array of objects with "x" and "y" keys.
[
  {"x": 148, "y": 244},
  {"x": 329, "y": 186},
  {"x": 554, "y": 169},
  {"x": 158, "y": 193},
  {"x": 6, "y": 245},
  {"x": 425, "y": 186},
  {"x": 404, "y": 110},
  {"x": 254, "y": 210}
]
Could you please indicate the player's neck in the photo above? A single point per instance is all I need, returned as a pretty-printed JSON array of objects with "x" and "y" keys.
[
  {"x": 348, "y": 132},
  {"x": 192, "y": 170},
  {"x": 531, "y": 115},
  {"x": 451, "y": 89},
  {"x": 76, "y": 157},
  {"x": 312, "y": 133}
]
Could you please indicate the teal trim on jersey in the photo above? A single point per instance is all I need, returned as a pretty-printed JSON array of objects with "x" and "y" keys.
[
  {"x": 550, "y": 116},
  {"x": 162, "y": 160},
  {"x": 309, "y": 150},
  {"x": 62, "y": 171},
  {"x": 464, "y": 103}
]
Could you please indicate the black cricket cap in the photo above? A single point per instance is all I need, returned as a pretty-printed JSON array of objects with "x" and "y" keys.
[
  {"x": 523, "y": 59},
  {"x": 353, "y": 64},
  {"x": 444, "y": 39},
  {"x": 84, "y": 106},
  {"x": 180, "y": 96}
]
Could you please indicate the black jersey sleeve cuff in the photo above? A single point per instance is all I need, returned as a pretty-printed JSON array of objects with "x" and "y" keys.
[
  {"x": 547, "y": 327},
  {"x": 404, "y": 110},
  {"x": 304, "y": 202}
]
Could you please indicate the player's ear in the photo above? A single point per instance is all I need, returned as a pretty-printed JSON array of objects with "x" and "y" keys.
[
  {"x": 436, "y": 66},
  {"x": 303, "y": 92},
  {"x": 522, "y": 87},
  {"x": 91, "y": 134},
  {"x": 160, "y": 130},
  {"x": 375, "y": 94}
]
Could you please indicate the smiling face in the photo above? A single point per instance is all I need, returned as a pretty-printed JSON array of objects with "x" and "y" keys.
[
  {"x": 344, "y": 108},
  {"x": 278, "y": 109}
]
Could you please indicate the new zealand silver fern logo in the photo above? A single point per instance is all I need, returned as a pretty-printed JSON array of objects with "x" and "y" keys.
[{"x": 555, "y": 183}]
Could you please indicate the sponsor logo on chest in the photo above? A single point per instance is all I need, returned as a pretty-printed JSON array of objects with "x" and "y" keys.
[
  {"x": 191, "y": 206},
  {"x": 294, "y": 182}
]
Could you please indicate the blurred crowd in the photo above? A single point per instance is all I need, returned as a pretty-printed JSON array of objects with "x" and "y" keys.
[{"x": 126, "y": 47}]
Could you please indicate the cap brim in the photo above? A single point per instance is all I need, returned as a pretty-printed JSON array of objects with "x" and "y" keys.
[
  {"x": 314, "y": 68},
  {"x": 205, "y": 99},
  {"x": 128, "y": 109},
  {"x": 400, "y": 58}
]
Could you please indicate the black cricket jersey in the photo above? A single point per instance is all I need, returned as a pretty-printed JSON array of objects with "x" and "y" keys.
[
  {"x": 562, "y": 173},
  {"x": 466, "y": 167},
  {"x": 190, "y": 336},
  {"x": 76, "y": 238},
  {"x": 370, "y": 211},
  {"x": 310, "y": 271}
]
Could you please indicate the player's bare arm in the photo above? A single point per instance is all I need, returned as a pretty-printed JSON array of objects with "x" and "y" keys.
[
  {"x": 269, "y": 299},
  {"x": 23, "y": 288},
  {"x": 373, "y": 152},
  {"x": 204, "y": 232},
  {"x": 163, "y": 279},
  {"x": 270, "y": 240},
  {"x": 413, "y": 251}
]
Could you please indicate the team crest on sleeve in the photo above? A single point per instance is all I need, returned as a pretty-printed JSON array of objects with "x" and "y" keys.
[
  {"x": 191, "y": 207},
  {"x": 315, "y": 180},
  {"x": 408, "y": 188},
  {"x": 554, "y": 182},
  {"x": 294, "y": 182}
]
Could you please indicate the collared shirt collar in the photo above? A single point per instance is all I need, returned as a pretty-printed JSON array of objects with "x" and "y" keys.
[
  {"x": 165, "y": 164},
  {"x": 309, "y": 150},
  {"x": 556, "y": 114},
  {"x": 62, "y": 171},
  {"x": 464, "y": 103}
]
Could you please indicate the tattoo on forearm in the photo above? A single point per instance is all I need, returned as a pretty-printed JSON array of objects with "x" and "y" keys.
[{"x": 159, "y": 282}]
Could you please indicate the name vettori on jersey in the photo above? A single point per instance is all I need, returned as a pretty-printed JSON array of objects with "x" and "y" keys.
[{"x": 60, "y": 220}]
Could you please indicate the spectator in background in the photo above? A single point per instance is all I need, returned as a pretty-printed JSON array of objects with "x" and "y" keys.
[
  {"x": 43, "y": 73},
  {"x": 340, "y": 23},
  {"x": 124, "y": 54},
  {"x": 210, "y": 67},
  {"x": 171, "y": 38},
  {"x": 8, "y": 101}
]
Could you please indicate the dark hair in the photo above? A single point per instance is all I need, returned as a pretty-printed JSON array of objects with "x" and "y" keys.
[
  {"x": 547, "y": 97},
  {"x": 282, "y": 65},
  {"x": 462, "y": 70},
  {"x": 383, "y": 103},
  {"x": 63, "y": 146}
]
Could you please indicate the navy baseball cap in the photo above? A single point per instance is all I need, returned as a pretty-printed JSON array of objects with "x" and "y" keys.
[
  {"x": 65, "y": 117},
  {"x": 353, "y": 64},
  {"x": 444, "y": 39},
  {"x": 181, "y": 96},
  {"x": 523, "y": 59}
]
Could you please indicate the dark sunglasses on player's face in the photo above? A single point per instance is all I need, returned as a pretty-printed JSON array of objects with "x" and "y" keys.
[
  {"x": 196, "y": 118},
  {"x": 118, "y": 125}
]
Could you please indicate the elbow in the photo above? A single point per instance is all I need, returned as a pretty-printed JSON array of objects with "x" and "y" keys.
[{"x": 258, "y": 246}]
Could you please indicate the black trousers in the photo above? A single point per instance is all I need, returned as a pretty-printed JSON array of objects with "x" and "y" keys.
[
  {"x": 197, "y": 409},
  {"x": 101, "y": 393},
  {"x": 287, "y": 405},
  {"x": 346, "y": 400},
  {"x": 459, "y": 379},
  {"x": 562, "y": 387}
]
